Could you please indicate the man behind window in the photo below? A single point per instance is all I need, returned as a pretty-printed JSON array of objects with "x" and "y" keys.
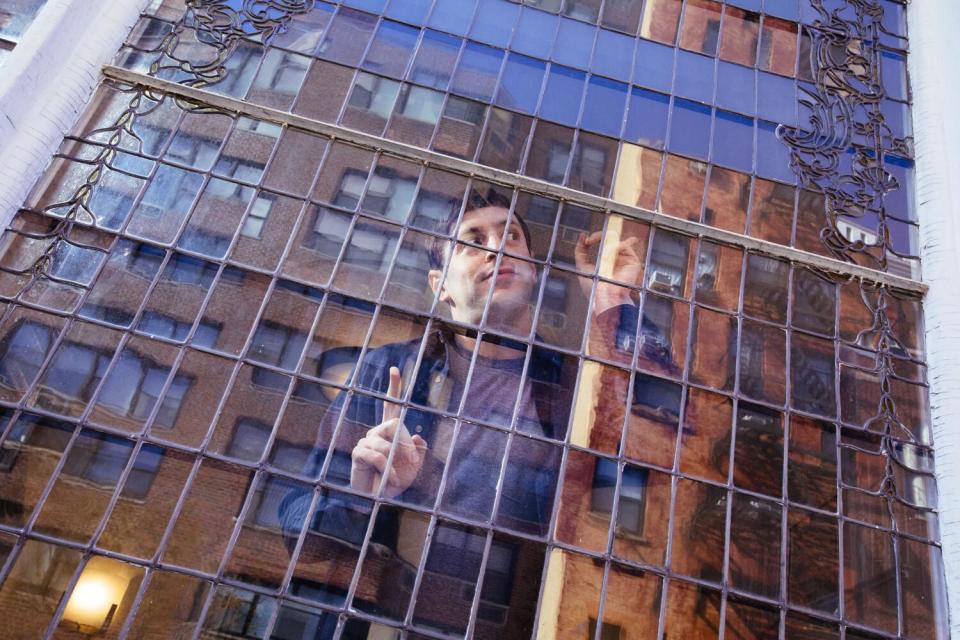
[{"x": 487, "y": 283}]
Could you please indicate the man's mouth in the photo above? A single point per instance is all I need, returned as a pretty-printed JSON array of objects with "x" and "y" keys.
[{"x": 504, "y": 270}]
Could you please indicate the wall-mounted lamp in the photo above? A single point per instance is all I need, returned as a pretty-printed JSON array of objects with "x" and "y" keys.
[{"x": 95, "y": 599}]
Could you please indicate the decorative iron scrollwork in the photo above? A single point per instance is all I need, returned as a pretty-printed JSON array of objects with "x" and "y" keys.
[
  {"x": 195, "y": 51},
  {"x": 841, "y": 149}
]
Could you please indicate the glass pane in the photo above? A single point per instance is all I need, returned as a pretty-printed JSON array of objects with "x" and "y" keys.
[
  {"x": 169, "y": 606},
  {"x": 435, "y": 59},
  {"x": 391, "y": 49},
  {"x": 176, "y": 299},
  {"x": 147, "y": 499},
  {"x": 76, "y": 369},
  {"x": 705, "y": 444},
  {"x": 30, "y": 454},
  {"x": 813, "y": 560},
  {"x": 230, "y": 311},
  {"x": 100, "y": 600},
  {"x": 740, "y": 36},
  {"x": 36, "y": 584},
  {"x": 211, "y": 507},
  {"x": 347, "y": 36},
  {"x": 520, "y": 83}
]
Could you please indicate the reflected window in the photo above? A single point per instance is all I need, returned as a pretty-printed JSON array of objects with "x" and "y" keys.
[{"x": 632, "y": 504}]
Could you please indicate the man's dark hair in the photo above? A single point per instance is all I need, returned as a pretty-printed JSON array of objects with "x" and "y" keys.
[{"x": 475, "y": 200}]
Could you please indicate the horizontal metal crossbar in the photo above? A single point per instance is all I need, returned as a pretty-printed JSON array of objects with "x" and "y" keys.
[{"x": 409, "y": 152}]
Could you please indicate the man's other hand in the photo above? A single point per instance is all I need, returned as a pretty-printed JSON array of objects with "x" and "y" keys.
[
  {"x": 626, "y": 267},
  {"x": 371, "y": 453}
]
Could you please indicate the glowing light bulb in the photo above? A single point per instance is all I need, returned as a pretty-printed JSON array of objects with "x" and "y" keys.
[{"x": 92, "y": 598}]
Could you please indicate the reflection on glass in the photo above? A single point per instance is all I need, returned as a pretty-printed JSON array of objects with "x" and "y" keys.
[
  {"x": 571, "y": 595},
  {"x": 751, "y": 621},
  {"x": 593, "y": 161},
  {"x": 505, "y": 140},
  {"x": 439, "y": 198},
  {"x": 167, "y": 607},
  {"x": 343, "y": 175},
  {"x": 870, "y": 580},
  {"x": 210, "y": 510},
  {"x": 637, "y": 177},
  {"x": 705, "y": 445},
  {"x": 391, "y": 49},
  {"x": 762, "y": 366},
  {"x": 670, "y": 269},
  {"x": 391, "y": 188},
  {"x": 146, "y": 502},
  {"x": 246, "y": 419},
  {"x": 76, "y": 369},
  {"x": 237, "y": 612},
  {"x": 388, "y": 569},
  {"x": 550, "y": 152},
  {"x": 415, "y": 115},
  {"x": 165, "y": 203},
  {"x": 30, "y": 454},
  {"x": 586, "y": 501},
  {"x": 561, "y": 98},
  {"x": 778, "y": 46},
  {"x": 347, "y": 36},
  {"x": 653, "y": 422},
  {"x": 188, "y": 402},
  {"x": 454, "y": 558},
  {"x": 100, "y": 601},
  {"x": 435, "y": 59},
  {"x": 519, "y": 87},
  {"x": 458, "y": 134},
  {"x": 176, "y": 298},
  {"x": 604, "y": 106},
  {"x": 317, "y": 245},
  {"x": 284, "y": 325},
  {"x": 755, "y": 545},
  {"x": 699, "y": 518},
  {"x": 82, "y": 491},
  {"x": 295, "y": 163},
  {"x": 33, "y": 589},
  {"x": 324, "y": 90},
  {"x": 701, "y": 26},
  {"x": 813, "y": 556},
  {"x": 27, "y": 338},
  {"x": 367, "y": 257},
  {"x": 771, "y": 214},
  {"x": 765, "y": 288},
  {"x": 812, "y": 472},
  {"x": 371, "y": 103},
  {"x": 692, "y": 611},
  {"x": 740, "y": 36},
  {"x": 713, "y": 349},
  {"x": 216, "y": 217},
  {"x": 130, "y": 268},
  {"x": 642, "y": 516},
  {"x": 728, "y": 194},
  {"x": 477, "y": 72},
  {"x": 758, "y": 458}
]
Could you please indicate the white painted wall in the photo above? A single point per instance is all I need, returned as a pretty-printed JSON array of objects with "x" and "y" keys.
[
  {"x": 934, "y": 27},
  {"x": 47, "y": 80}
]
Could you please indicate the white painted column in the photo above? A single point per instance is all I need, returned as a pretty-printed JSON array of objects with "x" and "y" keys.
[
  {"x": 48, "y": 79},
  {"x": 934, "y": 29}
]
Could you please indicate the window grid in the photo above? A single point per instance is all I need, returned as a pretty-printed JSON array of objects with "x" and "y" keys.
[{"x": 262, "y": 467}]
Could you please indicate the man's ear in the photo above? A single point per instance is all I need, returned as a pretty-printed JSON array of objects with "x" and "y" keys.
[{"x": 434, "y": 277}]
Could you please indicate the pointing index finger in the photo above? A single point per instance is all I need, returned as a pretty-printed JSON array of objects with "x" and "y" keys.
[{"x": 391, "y": 410}]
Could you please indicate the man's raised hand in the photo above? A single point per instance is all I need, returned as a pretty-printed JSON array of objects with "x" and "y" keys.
[{"x": 371, "y": 453}]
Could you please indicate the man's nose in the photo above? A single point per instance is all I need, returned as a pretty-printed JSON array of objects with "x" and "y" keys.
[{"x": 493, "y": 241}]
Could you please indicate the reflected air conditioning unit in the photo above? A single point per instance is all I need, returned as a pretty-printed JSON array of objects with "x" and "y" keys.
[{"x": 662, "y": 280}]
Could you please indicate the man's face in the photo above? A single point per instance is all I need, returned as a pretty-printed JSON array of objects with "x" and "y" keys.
[{"x": 473, "y": 270}]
